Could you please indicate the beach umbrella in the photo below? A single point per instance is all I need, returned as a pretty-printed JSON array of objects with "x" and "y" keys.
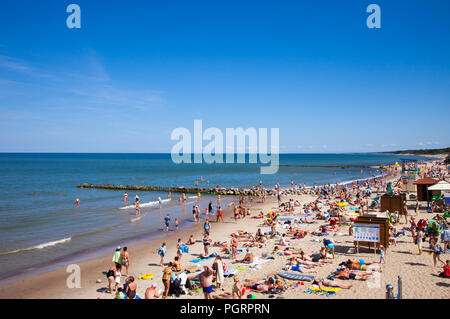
[
  {"x": 440, "y": 186},
  {"x": 343, "y": 204}
]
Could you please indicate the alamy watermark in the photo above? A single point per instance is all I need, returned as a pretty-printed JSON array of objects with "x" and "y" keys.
[
  {"x": 74, "y": 279},
  {"x": 216, "y": 149}
]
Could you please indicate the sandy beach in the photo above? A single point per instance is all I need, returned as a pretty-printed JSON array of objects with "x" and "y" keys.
[{"x": 420, "y": 278}]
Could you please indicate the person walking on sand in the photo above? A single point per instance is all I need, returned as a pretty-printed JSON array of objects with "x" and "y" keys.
[
  {"x": 437, "y": 250},
  {"x": 405, "y": 213},
  {"x": 116, "y": 257},
  {"x": 382, "y": 258},
  {"x": 125, "y": 259},
  {"x": 419, "y": 240},
  {"x": 162, "y": 253},
  {"x": 206, "y": 278}
]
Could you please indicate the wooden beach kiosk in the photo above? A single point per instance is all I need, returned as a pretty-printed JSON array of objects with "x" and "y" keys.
[
  {"x": 392, "y": 203},
  {"x": 423, "y": 194},
  {"x": 370, "y": 231}
]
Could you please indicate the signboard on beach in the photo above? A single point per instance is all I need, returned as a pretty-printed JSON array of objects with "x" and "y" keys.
[{"x": 366, "y": 232}]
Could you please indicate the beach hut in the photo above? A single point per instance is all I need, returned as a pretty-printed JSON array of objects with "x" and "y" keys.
[
  {"x": 423, "y": 194},
  {"x": 392, "y": 203}
]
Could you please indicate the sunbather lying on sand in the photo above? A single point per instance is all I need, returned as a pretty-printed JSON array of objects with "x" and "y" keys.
[
  {"x": 321, "y": 256},
  {"x": 329, "y": 283},
  {"x": 348, "y": 274},
  {"x": 294, "y": 261},
  {"x": 260, "y": 285},
  {"x": 361, "y": 264},
  {"x": 221, "y": 244},
  {"x": 259, "y": 216},
  {"x": 304, "y": 221},
  {"x": 253, "y": 244}
]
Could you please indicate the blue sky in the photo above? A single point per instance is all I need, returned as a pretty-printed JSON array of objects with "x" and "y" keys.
[{"x": 136, "y": 70}]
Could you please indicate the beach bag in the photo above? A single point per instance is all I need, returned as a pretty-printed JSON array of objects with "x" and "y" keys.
[{"x": 184, "y": 248}]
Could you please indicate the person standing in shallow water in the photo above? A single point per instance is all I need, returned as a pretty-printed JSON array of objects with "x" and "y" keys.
[
  {"x": 167, "y": 222},
  {"x": 136, "y": 203},
  {"x": 219, "y": 214}
]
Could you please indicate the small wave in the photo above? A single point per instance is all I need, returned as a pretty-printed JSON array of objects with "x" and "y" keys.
[
  {"x": 148, "y": 204},
  {"x": 192, "y": 197},
  {"x": 40, "y": 246}
]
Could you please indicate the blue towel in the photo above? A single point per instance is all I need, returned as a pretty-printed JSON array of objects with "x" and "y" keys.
[{"x": 199, "y": 260}]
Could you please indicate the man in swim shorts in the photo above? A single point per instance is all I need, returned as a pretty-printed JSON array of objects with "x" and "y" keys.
[
  {"x": 167, "y": 221},
  {"x": 206, "y": 278}
]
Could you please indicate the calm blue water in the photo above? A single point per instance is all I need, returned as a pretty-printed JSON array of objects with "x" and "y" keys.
[{"x": 40, "y": 223}]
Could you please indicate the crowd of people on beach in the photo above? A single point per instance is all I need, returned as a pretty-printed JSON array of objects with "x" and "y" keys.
[{"x": 334, "y": 207}]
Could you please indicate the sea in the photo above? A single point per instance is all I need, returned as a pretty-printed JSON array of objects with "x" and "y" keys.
[{"x": 41, "y": 227}]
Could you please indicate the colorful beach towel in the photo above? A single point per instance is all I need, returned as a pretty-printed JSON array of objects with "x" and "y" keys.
[
  {"x": 199, "y": 260},
  {"x": 325, "y": 291}
]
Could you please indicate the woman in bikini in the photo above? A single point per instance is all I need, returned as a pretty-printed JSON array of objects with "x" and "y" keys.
[
  {"x": 125, "y": 259},
  {"x": 167, "y": 274}
]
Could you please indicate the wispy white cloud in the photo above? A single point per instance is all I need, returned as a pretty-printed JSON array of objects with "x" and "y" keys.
[
  {"x": 15, "y": 65},
  {"x": 91, "y": 87}
]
